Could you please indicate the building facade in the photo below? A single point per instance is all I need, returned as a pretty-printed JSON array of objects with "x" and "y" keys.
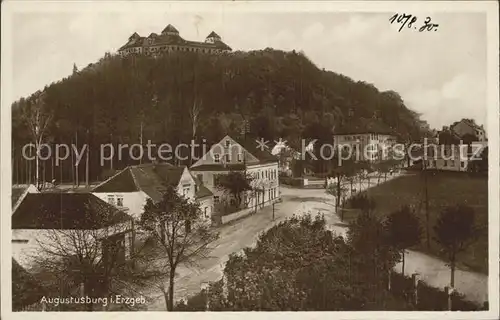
[
  {"x": 56, "y": 220},
  {"x": 243, "y": 156},
  {"x": 469, "y": 127},
  {"x": 457, "y": 158},
  {"x": 169, "y": 40},
  {"x": 130, "y": 188},
  {"x": 365, "y": 146}
]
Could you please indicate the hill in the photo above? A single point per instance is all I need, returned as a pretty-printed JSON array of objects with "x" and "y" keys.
[{"x": 281, "y": 94}]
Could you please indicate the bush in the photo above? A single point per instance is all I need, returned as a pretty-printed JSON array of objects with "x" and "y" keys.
[{"x": 294, "y": 182}]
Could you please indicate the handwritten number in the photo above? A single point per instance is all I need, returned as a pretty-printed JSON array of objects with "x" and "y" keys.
[
  {"x": 408, "y": 20},
  {"x": 413, "y": 20},
  {"x": 393, "y": 18}
]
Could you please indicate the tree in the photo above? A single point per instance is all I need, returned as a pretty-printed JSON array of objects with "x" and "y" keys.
[
  {"x": 297, "y": 265},
  {"x": 88, "y": 259},
  {"x": 375, "y": 256},
  {"x": 342, "y": 172},
  {"x": 235, "y": 183},
  {"x": 363, "y": 202},
  {"x": 167, "y": 225},
  {"x": 37, "y": 116},
  {"x": 454, "y": 230},
  {"x": 403, "y": 231}
]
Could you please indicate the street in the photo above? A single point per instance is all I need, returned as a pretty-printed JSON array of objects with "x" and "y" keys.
[{"x": 244, "y": 233}]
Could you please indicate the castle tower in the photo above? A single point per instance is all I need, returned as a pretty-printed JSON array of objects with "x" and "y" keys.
[
  {"x": 212, "y": 38},
  {"x": 170, "y": 30}
]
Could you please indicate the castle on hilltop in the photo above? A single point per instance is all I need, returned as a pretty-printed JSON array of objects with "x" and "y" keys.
[{"x": 169, "y": 41}]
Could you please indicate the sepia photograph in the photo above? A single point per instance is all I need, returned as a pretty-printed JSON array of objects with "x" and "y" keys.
[{"x": 248, "y": 156}]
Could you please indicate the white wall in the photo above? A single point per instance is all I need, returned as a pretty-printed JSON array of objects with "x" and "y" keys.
[
  {"x": 26, "y": 243},
  {"x": 133, "y": 202}
]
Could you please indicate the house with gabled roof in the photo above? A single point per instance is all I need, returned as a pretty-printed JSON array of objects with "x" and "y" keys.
[
  {"x": 469, "y": 127},
  {"x": 42, "y": 218},
  {"x": 243, "y": 155},
  {"x": 130, "y": 188}
]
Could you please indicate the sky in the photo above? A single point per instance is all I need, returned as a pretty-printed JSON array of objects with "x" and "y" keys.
[{"x": 440, "y": 74}]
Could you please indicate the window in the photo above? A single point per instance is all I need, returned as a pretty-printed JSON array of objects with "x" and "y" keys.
[
  {"x": 228, "y": 143},
  {"x": 185, "y": 189},
  {"x": 119, "y": 201},
  {"x": 111, "y": 199},
  {"x": 216, "y": 199},
  {"x": 205, "y": 214},
  {"x": 240, "y": 157},
  {"x": 228, "y": 158},
  {"x": 445, "y": 163},
  {"x": 462, "y": 164},
  {"x": 217, "y": 158}
]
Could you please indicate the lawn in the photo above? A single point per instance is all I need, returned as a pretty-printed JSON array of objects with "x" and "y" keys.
[{"x": 444, "y": 189}]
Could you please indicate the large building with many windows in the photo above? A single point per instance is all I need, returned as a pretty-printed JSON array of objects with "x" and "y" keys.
[
  {"x": 242, "y": 155},
  {"x": 169, "y": 40}
]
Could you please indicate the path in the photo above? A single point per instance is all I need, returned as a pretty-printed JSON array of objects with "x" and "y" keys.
[{"x": 244, "y": 233}]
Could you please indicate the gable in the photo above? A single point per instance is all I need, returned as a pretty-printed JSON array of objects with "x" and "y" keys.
[{"x": 227, "y": 146}]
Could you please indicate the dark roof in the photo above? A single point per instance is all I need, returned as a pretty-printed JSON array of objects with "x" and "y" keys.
[
  {"x": 123, "y": 181},
  {"x": 149, "y": 178},
  {"x": 26, "y": 290},
  {"x": 264, "y": 155},
  {"x": 213, "y": 35},
  {"x": 202, "y": 191},
  {"x": 171, "y": 39},
  {"x": 218, "y": 167},
  {"x": 170, "y": 28},
  {"x": 17, "y": 192},
  {"x": 82, "y": 211}
]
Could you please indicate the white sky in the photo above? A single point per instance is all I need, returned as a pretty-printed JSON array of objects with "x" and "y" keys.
[{"x": 440, "y": 74}]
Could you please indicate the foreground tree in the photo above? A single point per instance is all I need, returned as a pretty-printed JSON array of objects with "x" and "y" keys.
[
  {"x": 37, "y": 115},
  {"x": 403, "y": 231},
  {"x": 85, "y": 260},
  {"x": 297, "y": 265},
  {"x": 235, "y": 183},
  {"x": 454, "y": 230},
  {"x": 167, "y": 226}
]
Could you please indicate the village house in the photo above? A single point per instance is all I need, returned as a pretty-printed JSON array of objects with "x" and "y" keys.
[
  {"x": 170, "y": 41},
  {"x": 50, "y": 219},
  {"x": 469, "y": 127},
  {"x": 243, "y": 156},
  {"x": 130, "y": 188},
  {"x": 365, "y": 146},
  {"x": 458, "y": 157}
]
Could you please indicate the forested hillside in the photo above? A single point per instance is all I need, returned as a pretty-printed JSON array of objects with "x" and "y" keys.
[{"x": 178, "y": 96}]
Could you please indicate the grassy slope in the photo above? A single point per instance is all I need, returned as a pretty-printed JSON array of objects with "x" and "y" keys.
[{"x": 444, "y": 189}]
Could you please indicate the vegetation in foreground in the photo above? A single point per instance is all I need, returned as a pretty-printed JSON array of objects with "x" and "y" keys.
[
  {"x": 444, "y": 190},
  {"x": 300, "y": 265}
]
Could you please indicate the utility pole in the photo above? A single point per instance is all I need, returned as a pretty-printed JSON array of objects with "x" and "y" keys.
[
  {"x": 424, "y": 163},
  {"x": 273, "y": 210},
  {"x": 87, "y": 161}
]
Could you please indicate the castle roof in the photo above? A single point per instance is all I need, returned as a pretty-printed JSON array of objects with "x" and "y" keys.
[
  {"x": 170, "y": 28},
  {"x": 213, "y": 35}
]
